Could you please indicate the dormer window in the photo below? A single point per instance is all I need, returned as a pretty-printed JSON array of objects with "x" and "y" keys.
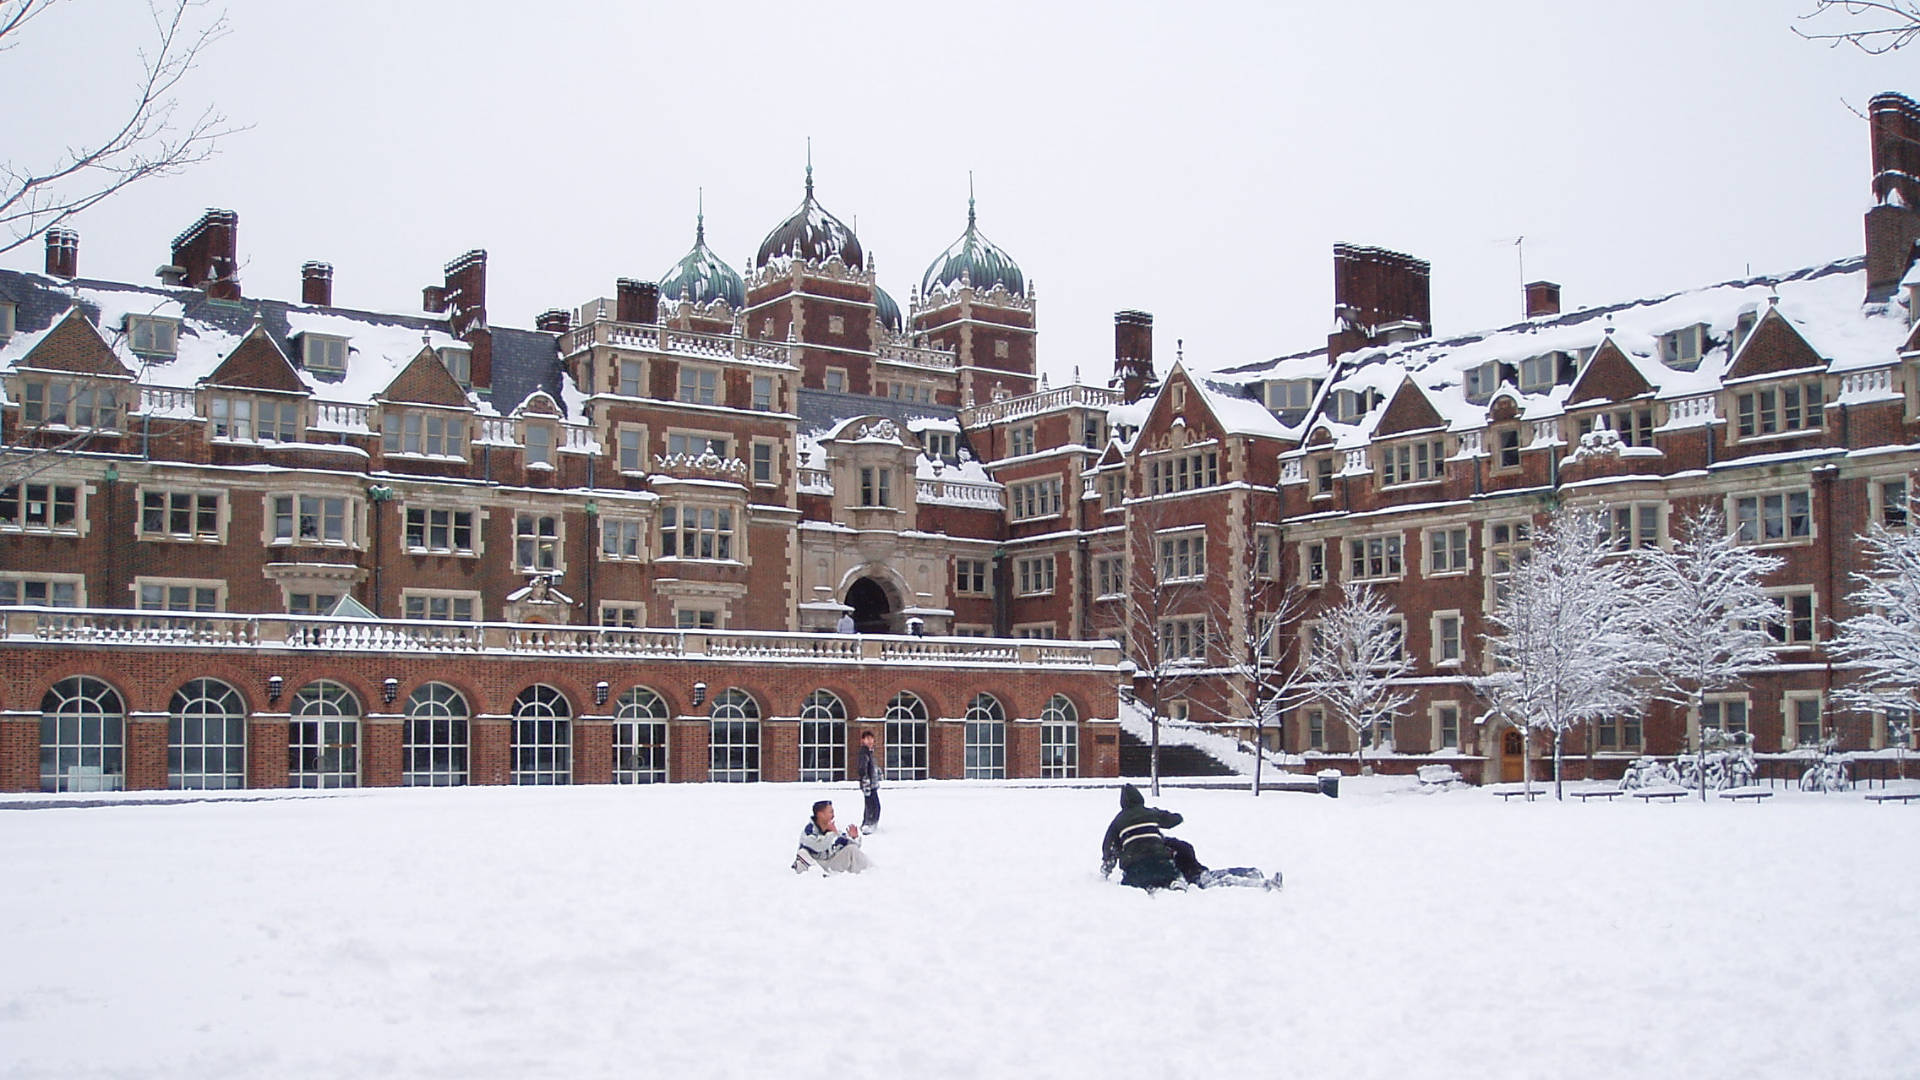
[
  {"x": 1291, "y": 397},
  {"x": 1020, "y": 441},
  {"x": 153, "y": 335},
  {"x": 539, "y": 445},
  {"x": 1538, "y": 373},
  {"x": 1481, "y": 382},
  {"x": 323, "y": 354},
  {"x": 1350, "y": 405},
  {"x": 1681, "y": 348},
  {"x": 459, "y": 363},
  {"x": 6, "y": 321}
]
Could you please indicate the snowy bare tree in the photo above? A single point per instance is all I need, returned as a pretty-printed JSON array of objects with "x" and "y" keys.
[
  {"x": 1706, "y": 612},
  {"x": 1567, "y": 647},
  {"x": 149, "y": 137},
  {"x": 1881, "y": 643},
  {"x": 1166, "y": 619},
  {"x": 1872, "y": 26},
  {"x": 1355, "y": 658}
]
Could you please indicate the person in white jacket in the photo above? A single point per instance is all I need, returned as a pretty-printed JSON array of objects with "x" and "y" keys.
[{"x": 825, "y": 845}]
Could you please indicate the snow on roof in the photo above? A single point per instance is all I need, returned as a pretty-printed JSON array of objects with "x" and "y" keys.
[{"x": 1237, "y": 414}]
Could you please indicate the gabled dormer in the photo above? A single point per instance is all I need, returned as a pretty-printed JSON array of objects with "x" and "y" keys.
[
  {"x": 75, "y": 347},
  {"x": 1776, "y": 383},
  {"x": 72, "y": 380},
  {"x": 423, "y": 411},
  {"x": 257, "y": 364},
  {"x": 1612, "y": 394},
  {"x": 1775, "y": 347},
  {"x": 1410, "y": 442},
  {"x": 426, "y": 381},
  {"x": 254, "y": 395}
]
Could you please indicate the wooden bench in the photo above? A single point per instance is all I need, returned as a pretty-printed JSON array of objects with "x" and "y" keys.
[
  {"x": 1521, "y": 793},
  {"x": 1608, "y": 794},
  {"x": 1747, "y": 794},
  {"x": 1893, "y": 796},
  {"x": 1671, "y": 794}
]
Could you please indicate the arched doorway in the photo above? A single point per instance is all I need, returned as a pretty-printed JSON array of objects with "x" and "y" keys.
[
  {"x": 872, "y": 607},
  {"x": 1513, "y": 756}
]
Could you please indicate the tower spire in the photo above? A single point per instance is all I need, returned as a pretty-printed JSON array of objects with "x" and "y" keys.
[
  {"x": 809, "y": 168},
  {"x": 969, "y": 200},
  {"x": 700, "y": 218}
]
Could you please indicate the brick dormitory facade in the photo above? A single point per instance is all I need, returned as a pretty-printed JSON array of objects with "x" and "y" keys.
[{"x": 261, "y": 543}]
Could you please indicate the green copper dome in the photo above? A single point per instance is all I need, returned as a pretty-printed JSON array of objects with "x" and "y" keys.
[
  {"x": 812, "y": 235},
  {"x": 887, "y": 310},
  {"x": 977, "y": 259},
  {"x": 703, "y": 276}
]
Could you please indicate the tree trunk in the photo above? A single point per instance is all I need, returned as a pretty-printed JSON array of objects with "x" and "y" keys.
[
  {"x": 1559, "y": 788},
  {"x": 1153, "y": 767},
  {"x": 1259, "y": 755}
]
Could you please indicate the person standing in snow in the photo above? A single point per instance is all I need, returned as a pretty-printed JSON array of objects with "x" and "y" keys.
[
  {"x": 869, "y": 774},
  {"x": 826, "y": 846},
  {"x": 1135, "y": 844}
]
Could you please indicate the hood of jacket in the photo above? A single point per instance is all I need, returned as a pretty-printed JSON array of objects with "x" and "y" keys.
[{"x": 1130, "y": 797}]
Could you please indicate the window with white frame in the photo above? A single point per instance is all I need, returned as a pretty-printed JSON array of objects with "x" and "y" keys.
[
  {"x": 970, "y": 576},
  {"x": 42, "y": 590},
  {"x": 1044, "y": 631},
  {"x": 1313, "y": 561},
  {"x": 1447, "y": 552},
  {"x": 1183, "y": 472},
  {"x": 1291, "y": 396},
  {"x": 689, "y": 531},
  {"x": 329, "y": 520},
  {"x": 699, "y": 385},
  {"x": 1059, "y": 738},
  {"x": 876, "y": 485},
  {"x": 1805, "y": 719},
  {"x": 423, "y": 434},
  {"x": 629, "y": 378},
  {"x": 1322, "y": 476},
  {"x": 1617, "y": 734},
  {"x": 763, "y": 455},
  {"x": 438, "y": 530},
  {"x": 435, "y": 743},
  {"x": 1265, "y": 544},
  {"x": 1777, "y": 517},
  {"x": 938, "y": 443},
  {"x": 538, "y": 443},
  {"x": 622, "y": 539},
  {"x": 152, "y": 335},
  {"x": 458, "y": 360},
  {"x": 631, "y": 444},
  {"x": 6, "y": 320},
  {"x": 1726, "y": 713},
  {"x": 836, "y": 380},
  {"x": 1445, "y": 627},
  {"x": 1633, "y": 425},
  {"x": 1508, "y": 543},
  {"x": 542, "y": 737},
  {"x": 1020, "y": 440},
  {"x": 1780, "y": 409},
  {"x": 617, "y": 613},
  {"x": 193, "y": 516},
  {"x": 1183, "y": 557},
  {"x": 1889, "y": 498},
  {"x": 985, "y": 730},
  {"x": 78, "y": 404},
  {"x": 323, "y": 354},
  {"x": 1446, "y": 725},
  {"x": 536, "y": 542},
  {"x": 440, "y": 605},
  {"x": 1795, "y": 625},
  {"x": 696, "y": 617},
  {"x": 311, "y": 603},
  {"x": 206, "y": 737},
  {"x": 763, "y": 393},
  {"x": 180, "y": 594},
  {"x": 1110, "y": 575},
  {"x": 1481, "y": 381},
  {"x": 906, "y": 745},
  {"x": 1315, "y": 722},
  {"x": 1373, "y": 558},
  {"x": 83, "y": 743},
  {"x": 240, "y": 418},
  {"x": 1034, "y": 575},
  {"x": 1543, "y": 372},
  {"x": 1034, "y": 499},
  {"x": 640, "y": 738},
  {"x": 1415, "y": 462},
  {"x": 823, "y": 738},
  {"x": 734, "y": 738},
  {"x": 1682, "y": 348},
  {"x": 695, "y": 444},
  {"x": 323, "y": 737},
  {"x": 1638, "y": 525},
  {"x": 1183, "y": 638}
]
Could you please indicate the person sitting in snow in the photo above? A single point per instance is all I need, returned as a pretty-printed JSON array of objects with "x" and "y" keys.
[
  {"x": 826, "y": 846},
  {"x": 1147, "y": 858}
]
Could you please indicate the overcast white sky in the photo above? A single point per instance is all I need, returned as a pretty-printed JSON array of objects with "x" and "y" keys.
[{"x": 1194, "y": 160}]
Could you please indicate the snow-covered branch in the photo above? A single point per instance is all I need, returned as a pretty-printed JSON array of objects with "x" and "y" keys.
[{"x": 1356, "y": 655}]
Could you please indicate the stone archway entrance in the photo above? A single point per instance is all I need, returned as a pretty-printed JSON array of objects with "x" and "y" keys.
[{"x": 873, "y": 610}]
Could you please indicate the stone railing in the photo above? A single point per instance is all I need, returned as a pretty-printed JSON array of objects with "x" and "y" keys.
[
  {"x": 663, "y": 339},
  {"x": 343, "y": 415},
  {"x": 1689, "y": 411},
  {"x": 817, "y": 481},
  {"x": 1472, "y": 443},
  {"x": 1098, "y": 397},
  {"x": 69, "y": 626},
  {"x": 1873, "y": 382},
  {"x": 166, "y": 400},
  {"x": 1293, "y": 470},
  {"x": 961, "y": 493},
  {"x": 496, "y": 429},
  {"x": 915, "y": 356},
  {"x": 1546, "y": 432}
]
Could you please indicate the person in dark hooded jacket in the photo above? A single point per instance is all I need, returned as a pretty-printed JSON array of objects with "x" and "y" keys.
[{"x": 1147, "y": 858}]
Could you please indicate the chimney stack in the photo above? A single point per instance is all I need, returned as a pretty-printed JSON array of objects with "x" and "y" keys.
[
  {"x": 1133, "y": 355},
  {"x": 208, "y": 254},
  {"x": 1893, "y": 223},
  {"x": 466, "y": 293},
  {"x": 1543, "y": 298},
  {"x": 316, "y": 283},
  {"x": 637, "y": 301},
  {"x": 554, "y": 321},
  {"x": 433, "y": 298},
  {"x": 63, "y": 252},
  {"x": 1378, "y": 296}
]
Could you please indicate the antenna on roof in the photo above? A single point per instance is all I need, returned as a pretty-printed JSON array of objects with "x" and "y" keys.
[
  {"x": 809, "y": 166},
  {"x": 1520, "y": 252}
]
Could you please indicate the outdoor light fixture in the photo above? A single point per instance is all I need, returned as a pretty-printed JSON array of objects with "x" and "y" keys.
[
  {"x": 389, "y": 690},
  {"x": 275, "y": 684},
  {"x": 600, "y": 692},
  {"x": 699, "y": 692}
]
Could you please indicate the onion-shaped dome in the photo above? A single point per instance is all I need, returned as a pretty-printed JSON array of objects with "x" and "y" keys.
[
  {"x": 703, "y": 276},
  {"x": 811, "y": 235},
  {"x": 887, "y": 310},
  {"x": 975, "y": 258}
]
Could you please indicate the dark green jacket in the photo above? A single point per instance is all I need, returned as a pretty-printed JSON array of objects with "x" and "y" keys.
[{"x": 1134, "y": 836}]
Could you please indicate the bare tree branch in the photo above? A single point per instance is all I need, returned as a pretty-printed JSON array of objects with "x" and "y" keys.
[
  {"x": 1890, "y": 24},
  {"x": 150, "y": 140}
]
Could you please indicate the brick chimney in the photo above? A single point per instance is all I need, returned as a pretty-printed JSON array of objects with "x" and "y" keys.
[
  {"x": 63, "y": 252},
  {"x": 466, "y": 292},
  {"x": 1379, "y": 296},
  {"x": 1543, "y": 298},
  {"x": 316, "y": 283},
  {"x": 1133, "y": 355},
  {"x": 554, "y": 321},
  {"x": 433, "y": 298},
  {"x": 1893, "y": 223},
  {"x": 208, "y": 255},
  {"x": 637, "y": 301}
]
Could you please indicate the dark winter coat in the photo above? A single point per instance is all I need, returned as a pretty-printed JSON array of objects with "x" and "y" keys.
[
  {"x": 869, "y": 771},
  {"x": 1135, "y": 844}
]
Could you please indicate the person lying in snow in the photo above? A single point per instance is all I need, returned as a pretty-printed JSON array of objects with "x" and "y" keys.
[
  {"x": 1150, "y": 859},
  {"x": 823, "y": 845}
]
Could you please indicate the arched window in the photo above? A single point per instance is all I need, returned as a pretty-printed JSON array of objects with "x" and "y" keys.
[
  {"x": 83, "y": 737},
  {"x": 323, "y": 739},
  {"x": 734, "y": 739},
  {"x": 823, "y": 738},
  {"x": 206, "y": 737},
  {"x": 906, "y": 738},
  {"x": 986, "y": 739},
  {"x": 542, "y": 737},
  {"x": 1059, "y": 738},
  {"x": 640, "y": 738},
  {"x": 436, "y": 742}
]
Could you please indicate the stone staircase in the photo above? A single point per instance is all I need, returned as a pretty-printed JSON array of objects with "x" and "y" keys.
[{"x": 1136, "y": 759}]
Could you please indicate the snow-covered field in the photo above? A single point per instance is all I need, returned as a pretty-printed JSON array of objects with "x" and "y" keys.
[{"x": 585, "y": 932}]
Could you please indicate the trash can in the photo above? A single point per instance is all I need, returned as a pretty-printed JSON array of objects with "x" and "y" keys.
[{"x": 1329, "y": 782}]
